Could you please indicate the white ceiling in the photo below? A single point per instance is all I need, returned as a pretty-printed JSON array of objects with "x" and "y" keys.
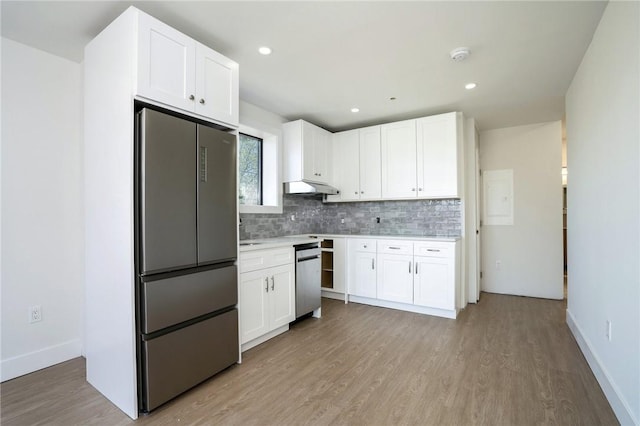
[{"x": 331, "y": 56}]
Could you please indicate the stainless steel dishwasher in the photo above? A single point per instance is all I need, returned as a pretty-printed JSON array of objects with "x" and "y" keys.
[{"x": 307, "y": 279}]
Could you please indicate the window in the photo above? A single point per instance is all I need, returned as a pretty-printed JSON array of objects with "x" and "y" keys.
[
  {"x": 250, "y": 170},
  {"x": 259, "y": 182}
]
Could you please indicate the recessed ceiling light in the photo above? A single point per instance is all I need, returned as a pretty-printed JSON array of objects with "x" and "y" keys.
[
  {"x": 470, "y": 86},
  {"x": 355, "y": 109},
  {"x": 264, "y": 50}
]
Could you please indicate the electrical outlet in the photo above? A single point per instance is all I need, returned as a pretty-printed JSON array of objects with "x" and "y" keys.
[
  {"x": 608, "y": 330},
  {"x": 293, "y": 217},
  {"x": 35, "y": 314},
  {"x": 377, "y": 220},
  {"x": 341, "y": 220},
  {"x": 498, "y": 264}
]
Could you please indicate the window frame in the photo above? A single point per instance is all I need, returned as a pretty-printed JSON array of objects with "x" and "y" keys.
[
  {"x": 260, "y": 167},
  {"x": 271, "y": 171}
]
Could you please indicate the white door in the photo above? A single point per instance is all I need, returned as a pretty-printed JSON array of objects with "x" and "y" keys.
[
  {"x": 166, "y": 61},
  {"x": 434, "y": 284},
  {"x": 437, "y": 153},
  {"x": 363, "y": 279},
  {"x": 370, "y": 163},
  {"x": 398, "y": 154},
  {"x": 395, "y": 278},
  {"x": 216, "y": 86},
  {"x": 309, "y": 135},
  {"x": 282, "y": 295},
  {"x": 254, "y": 321},
  {"x": 346, "y": 165}
]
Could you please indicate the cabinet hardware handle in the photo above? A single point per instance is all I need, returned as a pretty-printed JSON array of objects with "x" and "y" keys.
[
  {"x": 373, "y": 264},
  {"x": 202, "y": 101},
  {"x": 416, "y": 268},
  {"x": 394, "y": 248},
  {"x": 362, "y": 192},
  {"x": 266, "y": 280},
  {"x": 434, "y": 250},
  {"x": 273, "y": 283},
  {"x": 413, "y": 189},
  {"x": 365, "y": 246},
  {"x": 191, "y": 97},
  {"x": 409, "y": 267},
  {"x": 419, "y": 189},
  {"x": 356, "y": 192}
]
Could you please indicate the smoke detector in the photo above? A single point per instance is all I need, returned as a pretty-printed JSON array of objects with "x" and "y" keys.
[{"x": 459, "y": 54}]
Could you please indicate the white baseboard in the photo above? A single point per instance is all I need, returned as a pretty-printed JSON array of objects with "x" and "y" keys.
[
  {"x": 616, "y": 400},
  {"x": 28, "y": 363}
]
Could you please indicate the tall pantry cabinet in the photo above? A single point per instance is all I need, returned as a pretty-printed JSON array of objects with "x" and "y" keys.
[{"x": 135, "y": 58}]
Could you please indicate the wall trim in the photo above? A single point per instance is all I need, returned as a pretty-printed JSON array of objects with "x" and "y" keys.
[
  {"x": 28, "y": 363},
  {"x": 612, "y": 393}
]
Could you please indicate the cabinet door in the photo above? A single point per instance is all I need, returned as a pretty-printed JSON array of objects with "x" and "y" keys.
[
  {"x": 363, "y": 277},
  {"x": 398, "y": 142},
  {"x": 166, "y": 61},
  {"x": 321, "y": 154},
  {"x": 370, "y": 163},
  {"x": 216, "y": 86},
  {"x": 434, "y": 282},
  {"x": 346, "y": 165},
  {"x": 309, "y": 135},
  {"x": 254, "y": 320},
  {"x": 438, "y": 156},
  {"x": 395, "y": 278},
  {"x": 282, "y": 302}
]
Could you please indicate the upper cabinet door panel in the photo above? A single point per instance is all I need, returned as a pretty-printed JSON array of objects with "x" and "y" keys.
[
  {"x": 216, "y": 86},
  {"x": 345, "y": 165},
  {"x": 438, "y": 156},
  {"x": 399, "y": 159},
  {"x": 370, "y": 162},
  {"x": 166, "y": 58}
]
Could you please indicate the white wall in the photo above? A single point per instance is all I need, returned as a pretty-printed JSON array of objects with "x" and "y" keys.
[
  {"x": 603, "y": 139},
  {"x": 42, "y": 205},
  {"x": 530, "y": 250}
]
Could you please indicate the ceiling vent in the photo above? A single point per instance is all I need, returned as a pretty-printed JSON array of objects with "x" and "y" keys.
[{"x": 459, "y": 54}]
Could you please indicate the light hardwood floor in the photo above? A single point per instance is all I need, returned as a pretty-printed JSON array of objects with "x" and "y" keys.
[{"x": 506, "y": 361}]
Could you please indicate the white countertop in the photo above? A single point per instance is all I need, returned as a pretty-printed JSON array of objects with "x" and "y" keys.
[{"x": 290, "y": 240}]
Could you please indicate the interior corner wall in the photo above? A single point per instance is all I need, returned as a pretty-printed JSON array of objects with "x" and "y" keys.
[
  {"x": 526, "y": 258},
  {"x": 42, "y": 209},
  {"x": 603, "y": 198}
]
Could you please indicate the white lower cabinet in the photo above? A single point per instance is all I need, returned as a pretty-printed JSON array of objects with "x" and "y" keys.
[
  {"x": 361, "y": 267},
  {"x": 267, "y": 295},
  {"x": 414, "y": 275}
]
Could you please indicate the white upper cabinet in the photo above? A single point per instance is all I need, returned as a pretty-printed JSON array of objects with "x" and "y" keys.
[
  {"x": 176, "y": 70},
  {"x": 370, "y": 163},
  {"x": 438, "y": 146},
  {"x": 216, "y": 85},
  {"x": 398, "y": 142},
  {"x": 307, "y": 151},
  {"x": 346, "y": 165}
]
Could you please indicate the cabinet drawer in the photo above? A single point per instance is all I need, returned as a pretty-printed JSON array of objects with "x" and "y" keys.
[
  {"x": 395, "y": 247},
  {"x": 434, "y": 249},
  {"x": 364, "y": 245},
  {"x": 260, "y": 259}
]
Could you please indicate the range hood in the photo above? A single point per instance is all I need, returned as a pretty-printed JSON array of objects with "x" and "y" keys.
[{"x": 308, "y": 188}]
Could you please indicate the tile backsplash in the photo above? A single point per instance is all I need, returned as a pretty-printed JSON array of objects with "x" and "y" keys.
[{"x": 436, "y": 218}]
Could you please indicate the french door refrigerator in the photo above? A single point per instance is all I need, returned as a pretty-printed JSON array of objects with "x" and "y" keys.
[{"x": 186, "y": 250}]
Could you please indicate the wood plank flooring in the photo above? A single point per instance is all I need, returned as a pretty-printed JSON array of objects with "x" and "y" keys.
[{"x": 506, "y": 361}]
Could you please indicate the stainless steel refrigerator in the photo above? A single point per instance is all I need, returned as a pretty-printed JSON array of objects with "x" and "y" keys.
[{"x": 186, "y": 250}]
